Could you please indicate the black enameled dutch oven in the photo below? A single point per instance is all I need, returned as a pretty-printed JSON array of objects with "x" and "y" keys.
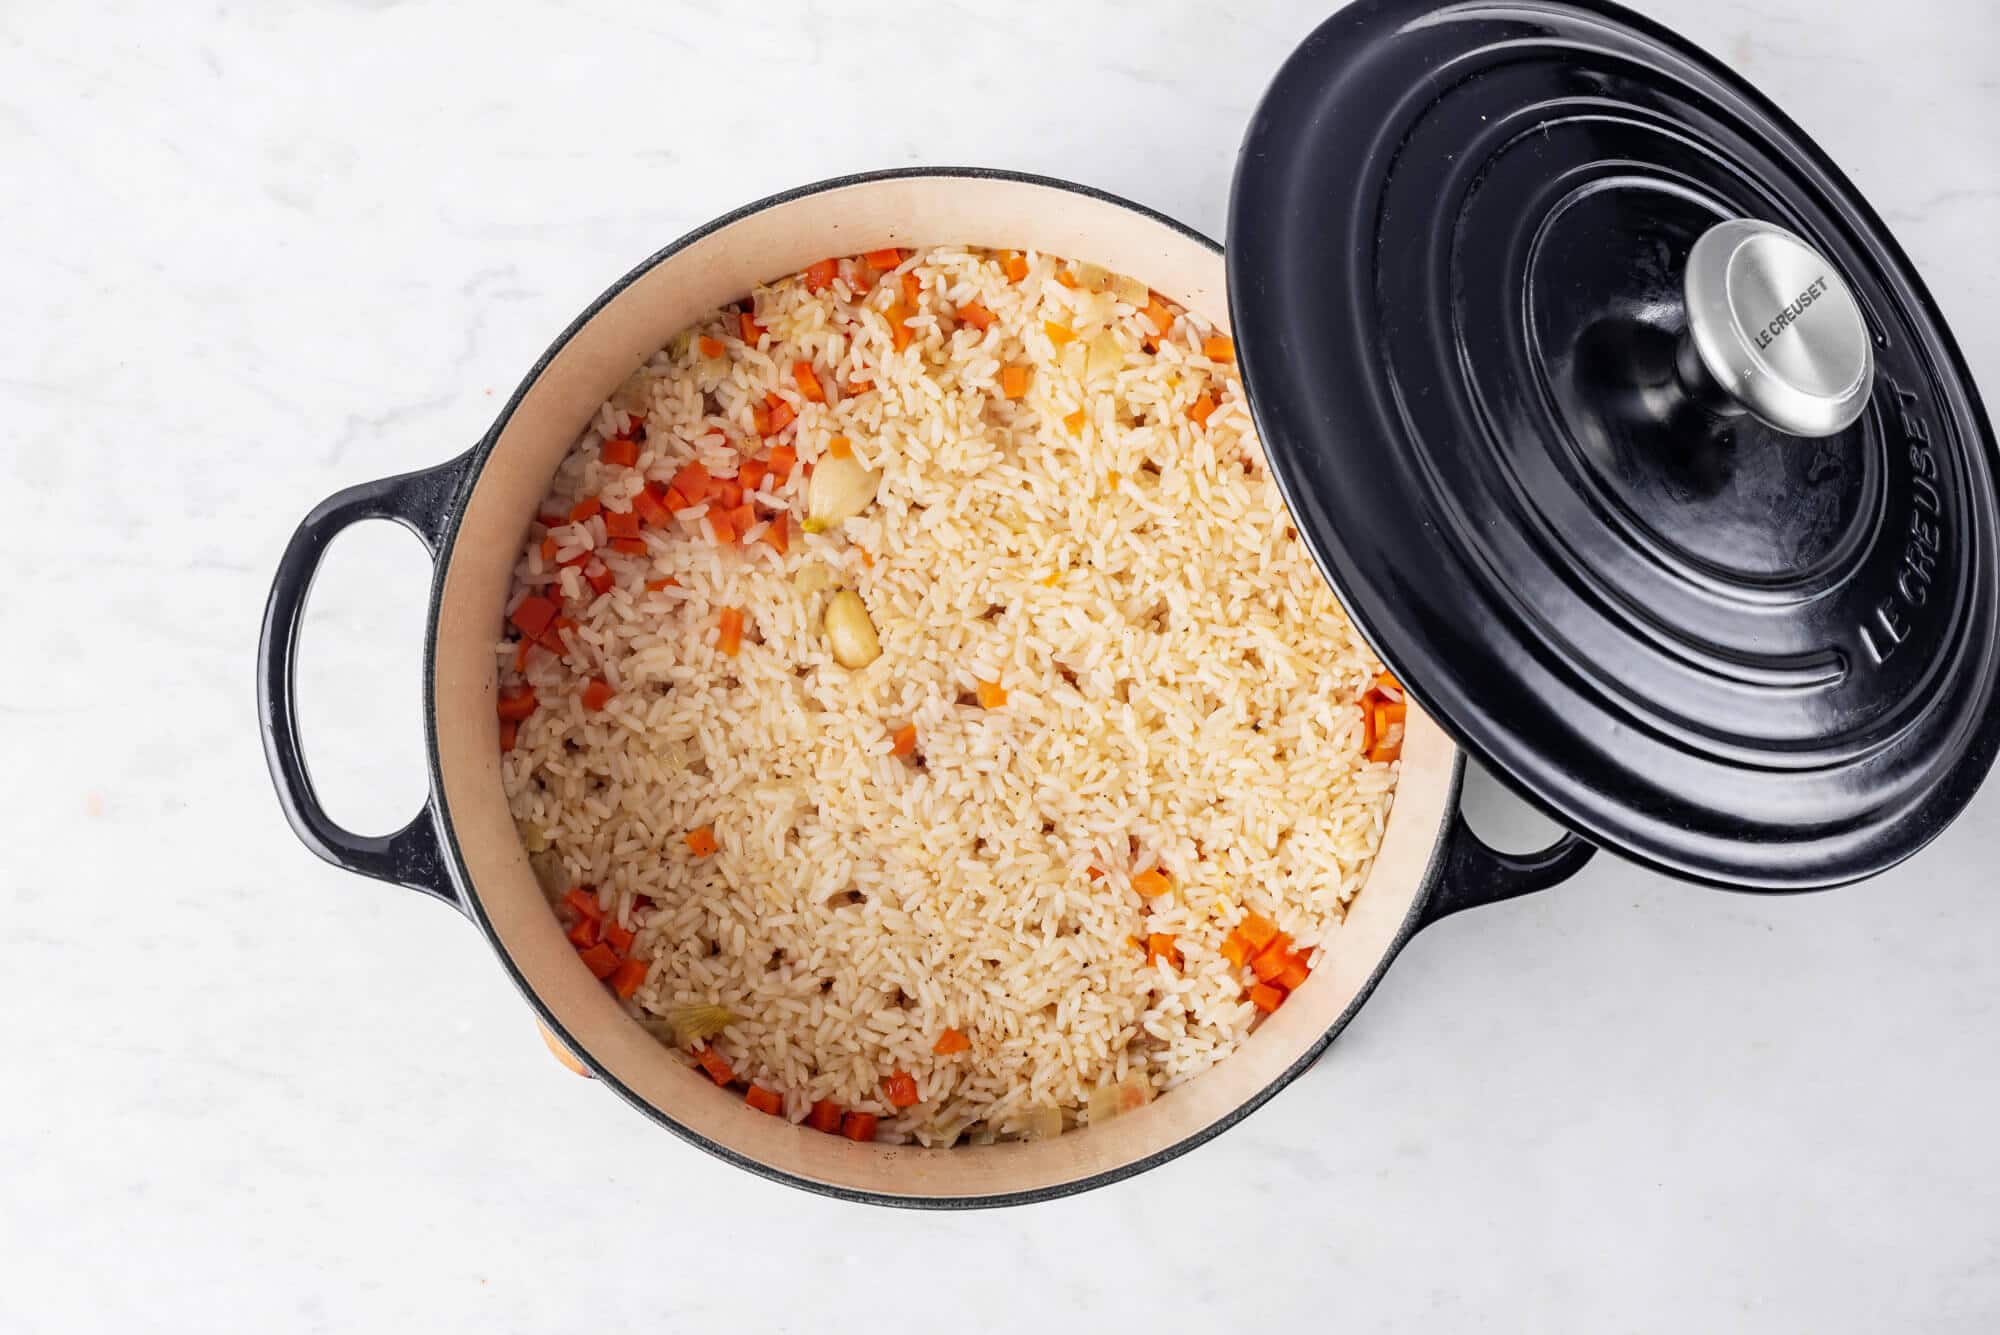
[{"x": 1609, "y": 409}]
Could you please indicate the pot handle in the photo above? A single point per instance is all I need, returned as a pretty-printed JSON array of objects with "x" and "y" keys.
[
  {"x": 422, "y": 502},
  {"x": 1475, "y": 873}
]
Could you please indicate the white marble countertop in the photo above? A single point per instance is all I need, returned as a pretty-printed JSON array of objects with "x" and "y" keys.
[{"x": 258, "y": 252}]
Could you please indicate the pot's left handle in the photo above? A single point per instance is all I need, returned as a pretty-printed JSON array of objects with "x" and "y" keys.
[{"x": 421, "y": 502}]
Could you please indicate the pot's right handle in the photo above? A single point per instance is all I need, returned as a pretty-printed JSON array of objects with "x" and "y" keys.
[
  {"x": 414, "y": 855},
  {"x": 1476, "y": 873}
]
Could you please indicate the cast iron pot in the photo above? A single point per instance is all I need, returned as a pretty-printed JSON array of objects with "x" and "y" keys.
[{"x": 473, "y": 513}]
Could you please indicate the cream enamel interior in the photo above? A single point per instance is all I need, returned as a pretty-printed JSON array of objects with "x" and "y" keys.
[{"x": 718, "y": 268}]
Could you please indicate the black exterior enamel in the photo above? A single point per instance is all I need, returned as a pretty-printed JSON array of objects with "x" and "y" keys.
[
  {"x": 1456, "y": 243},
  {"x": 426, "y": 855}
]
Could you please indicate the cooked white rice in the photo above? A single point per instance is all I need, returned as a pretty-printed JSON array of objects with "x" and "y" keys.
[{"x": 1180, "y": 693}]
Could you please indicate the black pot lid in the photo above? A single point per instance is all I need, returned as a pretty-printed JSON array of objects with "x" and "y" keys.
[{"x": 1626, "y": 432}]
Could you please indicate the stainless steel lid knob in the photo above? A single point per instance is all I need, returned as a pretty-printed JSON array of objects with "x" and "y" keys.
[{"x": 1773, "y": 330}]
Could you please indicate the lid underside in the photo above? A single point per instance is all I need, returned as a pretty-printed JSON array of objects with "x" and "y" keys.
[{"x": 1456, "y": 252}]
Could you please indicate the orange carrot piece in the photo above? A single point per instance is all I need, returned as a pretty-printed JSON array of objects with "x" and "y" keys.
[
  {"x": 751, "y": 473},
  {"x": 584, "y": 933},
  {"x": 991, "y": 694},
  {"x": 1257, "y": 930},
  {"x": 730, "y": 640},
  {"x": 976, "y": 315},
  {"x": 582, "y": 902},
  {"x": 825, "y": 1116},
  {"x": 600, "y": 959},
  {"x": 650, "y": 506},
  {"x": 840, "y": 447},
  {"x": 1235, "y": 949},
  {"x": 1111, "y": 480},
  {"x": 900, "y": 332},
  {"x": 1270, "y": 961},
  {"x": 783, "y": 458},
  {"x": 629, "y": 546},
  {"x": 621, "y": 523},
  {"x": 716, "y": 1065},
  {"x": 725, "y": 532},
  {"x": 618, "y": 938},
  {"x": 726, "y": 492},
  {"x": 620, "y": 451},
  {"x": 747, "y": 328},
  {"x": 913, "y": 289},
  {"x": 1202, "y": 409},
  {"x": 886, "y": 258},
  {"x": 655, "y": 585},
  {"x": 1014, "y": 264},
  {"x": 597, "y": 693},
  {"x": 950, "y": 1043},
  {"x": 1266, "y": 998},
  {"x": 782, "y": 415},
  {"x": 765, "y": 1100},
  {"x": 900, "y": 1088},
  {"x": 741, "y": 517},
  {"x": 598, "y": 577},
  {"x": 510, "y": 731},
  {"x": 1152, "y": 882},
  {"x": 1097, "y": 873},
  {"x": 692, "y": 483},
  {"x": 859, "y": 1126},
  {"x": 820, "y": 274},
  {"x": 1156, "y": 311},
  {"x": 1295, "y": 973},
  {"x": 517, "y": 705},
  {"x": 1075, "y": 421},
  {"x": 701, "y": 842},
  {"x": 808, "y": 382},
  {"x": 904, "y": 740},
  {"x": 587, "y": 508},
  {"x": 625, "y": 979},
  {"x": 549, "y": 549},
  {"x": 710, "y": 347},
  {"x": 1219, "y": 348},
  {"x": 1066, "y": 278},
  {"x": 1014, "y": 381},
  {"x": 533, "y": 615},
  {"x": 1160, "y": 950},
  {"x": 1058, "y": 332}
]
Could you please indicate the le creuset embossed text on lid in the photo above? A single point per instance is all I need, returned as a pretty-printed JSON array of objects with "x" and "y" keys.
[{"x": 1626, "y": 432}]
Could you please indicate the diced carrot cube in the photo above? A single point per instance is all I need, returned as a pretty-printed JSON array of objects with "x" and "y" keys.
[
  {"x": 621, "y": 451},
  {"x": 747, "y": 328},
  {"x": 900, "y": 1088},
  {"x": 625, "y": 979},
  {"x": 1202, "y": 409},
  {"x": 991, "y": 694},
  {"x": 710, "y": 347},
  {"x": 582, "y": 902},
  {"x": 587, "y": 508},
  {"x": 600, "y": 959},
  {"x": 859, "y": 1126},
  {"x": 1266, "y": 998},
  {"x": 886, "y": 258},
  {"x": 782, "y": 459},
  {"x": 778, "y": 535},
  {"x": 950, "y": 1043},
  {"x": 598, "y": 577},
  {"x": 701, "y": 842},
  {"x": 716, "y": 1065},
  {"x": 1014, "y": 381},
  {"x": 533, "y": 615},
  {"x": 1235, "y": 949},
  {"x": 820, "y": 274},
  {"x": 1295, "y": 973},
  {"x": 825, "y": 1116},
  {"x": 809, "y": 387},
  {"x": 584, "y": 933},
  {"x": 1152, "y": 883},
  {"x": 517, "y": 705},
  {"x": 976, "y": 315},
  {"x": 621, "y": 523},
  {"x": 597, "y": 693},
  {"x": 618, "y": 938},
  {"x": 1219, "y": 348},
  {"x": 765, "y": 1100},
  {"x": 1257, "y": 930},
  {"x": 905, "y": 740}
]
